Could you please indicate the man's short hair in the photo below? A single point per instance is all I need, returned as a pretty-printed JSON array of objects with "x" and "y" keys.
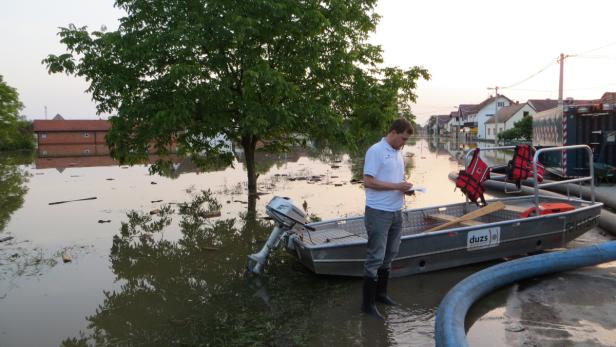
[{"x": 401, "y": 125}]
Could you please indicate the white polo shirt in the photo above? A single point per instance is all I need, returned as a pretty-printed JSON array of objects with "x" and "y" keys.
[{"x": 384, "y": 163}]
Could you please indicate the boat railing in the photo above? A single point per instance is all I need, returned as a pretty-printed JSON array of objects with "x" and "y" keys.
[{"x": 536, "y": 184}]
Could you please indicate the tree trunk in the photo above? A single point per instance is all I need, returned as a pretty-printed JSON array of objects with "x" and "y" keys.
[{"x": 249, "y": 143}]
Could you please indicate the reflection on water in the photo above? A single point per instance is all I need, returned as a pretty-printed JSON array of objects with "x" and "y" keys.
[
  {"x": 175, "y": 277},
  {"x": 13, "y": 180},
  {"x": 158, "y": 272},
  {"x": 194, "y": 291}
]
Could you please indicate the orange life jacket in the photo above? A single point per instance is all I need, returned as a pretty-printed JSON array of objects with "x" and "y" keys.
[{"x": 547, "y": 208}]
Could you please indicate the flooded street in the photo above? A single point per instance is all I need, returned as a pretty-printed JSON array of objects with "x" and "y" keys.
[{"x": 149, "y": 267}]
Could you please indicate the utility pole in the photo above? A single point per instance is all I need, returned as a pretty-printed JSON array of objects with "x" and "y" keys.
[
  {"x": 495, "y": 112},
  {"x": 561, "y": 108},
  {"x": 45, "y": 111},
  {"x": 561, "y": 61}
]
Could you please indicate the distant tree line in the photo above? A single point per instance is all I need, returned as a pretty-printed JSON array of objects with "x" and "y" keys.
[{"x": 15, "y": 132}]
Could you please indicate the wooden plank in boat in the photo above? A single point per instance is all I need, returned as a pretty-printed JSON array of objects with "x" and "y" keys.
[
  {"x": 448, "y": 218},
  {"x": 515, "y": 208}
]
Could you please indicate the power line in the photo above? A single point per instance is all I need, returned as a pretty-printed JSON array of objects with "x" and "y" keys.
[
  {"x": 606, "y": 57},
  {"x": 531, "y": 76},
  {"x": 598, "y": 48}
]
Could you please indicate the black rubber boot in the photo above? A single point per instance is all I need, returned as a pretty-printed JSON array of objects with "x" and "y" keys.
[
  {"x": 367, "y": 305},
  {"x": 381, "y": 288}
]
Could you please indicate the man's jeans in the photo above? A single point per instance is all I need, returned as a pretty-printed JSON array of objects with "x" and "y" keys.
[{"x": 383, "y": 229}]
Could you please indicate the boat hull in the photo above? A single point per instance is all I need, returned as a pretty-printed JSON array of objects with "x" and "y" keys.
[{"x": 430, "y": 251}]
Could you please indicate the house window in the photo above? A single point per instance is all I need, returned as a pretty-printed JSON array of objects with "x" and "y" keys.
[
  {"x": 43, "y": 135},
  {"x": 525, "y": 114},
  {"x": 500, "y": 104},
  {"x": 86, "y": 151},
  {"x": 489, "y": 131},
  {"x": 86, "y": 134},
  {"x": 44, "y": 152}
]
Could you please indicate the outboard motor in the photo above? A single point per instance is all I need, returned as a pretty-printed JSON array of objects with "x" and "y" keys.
[{"x": 286, "y": 215}]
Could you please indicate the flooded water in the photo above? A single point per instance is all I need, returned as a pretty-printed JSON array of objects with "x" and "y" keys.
[{"x": 146, "y": 266}]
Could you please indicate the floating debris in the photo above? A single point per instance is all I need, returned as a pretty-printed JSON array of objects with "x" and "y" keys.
[
  {"x": 104, "y": 221},
  {"x": 156, "y": 211},
  {"x": 211, "y": 214},
  {"x": 155, "y": 201},
  {"x": 6, "y": 238},
  {"x": 66, "y": 258},
  {"x": 153, "y": 182},
  {"x": 110, "y": 179},
  {"x": 516, "y": 328},
  {"x": 335, "y": 166},
  {"x": 63, "y": 202},
  {"x": 338, "y": 184}
]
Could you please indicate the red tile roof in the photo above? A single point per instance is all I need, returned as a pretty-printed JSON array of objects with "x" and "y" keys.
[
  {"x": 505, "y": 113},
  {"x": 609, "y": 98},
  {"x": 71, "y": 125},
  {"x": 541, "y": 105}
]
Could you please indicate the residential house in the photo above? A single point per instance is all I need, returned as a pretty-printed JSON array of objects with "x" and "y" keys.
[
  {"x": 71, "y": 137},
  {"x": 440, "y": 125},
  {"x": 506, "y": 117},
  {"x": 486, "y": 110},
  {"x": 453, "y": 125},
  {"x": 471, "y": 118}
]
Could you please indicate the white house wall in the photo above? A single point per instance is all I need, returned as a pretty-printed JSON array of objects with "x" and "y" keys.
[
  {"x": 519, "y": 115},
  {"x": 482, "y": 116}
]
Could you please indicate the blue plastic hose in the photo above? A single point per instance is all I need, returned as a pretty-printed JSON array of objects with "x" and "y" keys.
[{"x": 449, "y": 325}]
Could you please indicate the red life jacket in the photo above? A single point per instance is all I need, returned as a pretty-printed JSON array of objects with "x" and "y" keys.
[
  {"x": 521, "y": 166},
  {"x": 469, "y": 180}
]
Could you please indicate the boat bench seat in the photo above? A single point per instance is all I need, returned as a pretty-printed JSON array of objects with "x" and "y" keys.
[
  {"x": 515, "y": 208},
  {"x": 448, "y": 218}
]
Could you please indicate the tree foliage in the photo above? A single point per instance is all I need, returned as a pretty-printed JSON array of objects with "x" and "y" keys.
[
  {"x": 278, "y": 70},
  {"x": 15, "y": 133},
  {"x": 522, "y": 130}
]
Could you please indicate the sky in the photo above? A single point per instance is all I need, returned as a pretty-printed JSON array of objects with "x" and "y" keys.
[{"x": 467, "y": 46}]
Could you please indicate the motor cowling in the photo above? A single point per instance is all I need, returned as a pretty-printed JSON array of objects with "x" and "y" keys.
[{"x": 286, "y": 215}]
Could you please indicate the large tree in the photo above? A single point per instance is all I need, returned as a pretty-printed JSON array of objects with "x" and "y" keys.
[
  {"x": 15, "y": 133},
  {"x": 278, "y": 71}
]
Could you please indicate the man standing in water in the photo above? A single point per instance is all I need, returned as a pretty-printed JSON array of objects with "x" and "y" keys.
[{"x": 385, "y": 188}]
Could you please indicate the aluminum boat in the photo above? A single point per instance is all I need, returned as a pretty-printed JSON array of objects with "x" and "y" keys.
[{"x": 338, "y": 246}]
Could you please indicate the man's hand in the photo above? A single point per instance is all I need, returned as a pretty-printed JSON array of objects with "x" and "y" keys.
[{"x": 404, "y": 186}]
